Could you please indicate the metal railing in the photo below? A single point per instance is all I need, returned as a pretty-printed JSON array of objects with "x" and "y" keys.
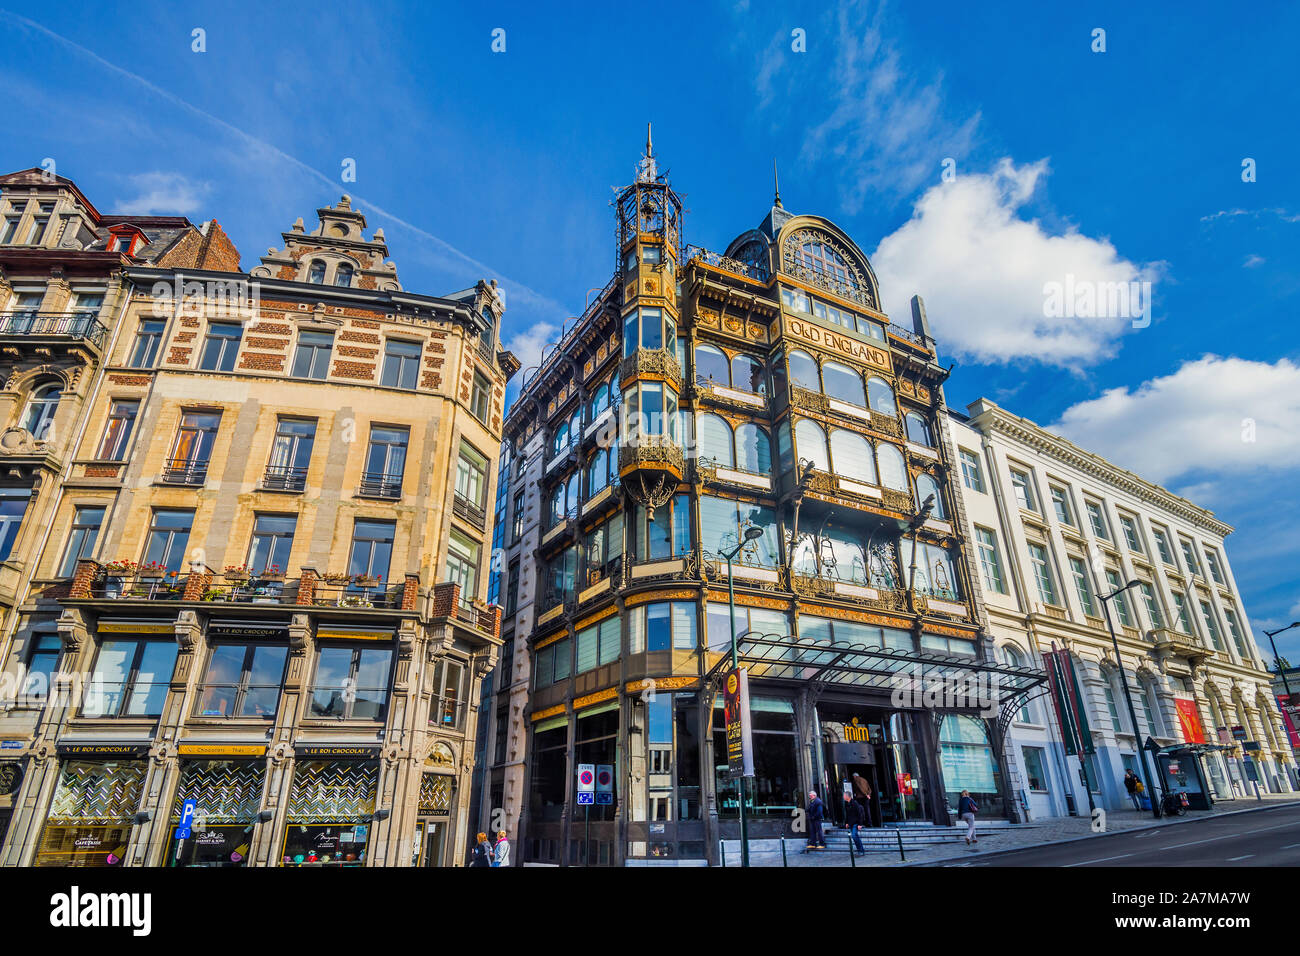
[
  {"x": 339, "y": 594},
  {"x": 469, "y": 510},
  {"x": 185, "y": 471},
  {"x": 75, "y": 325},
  {"x": 381, "y": 485},
  {"x": 725, "y": 263},
  {"x": 285, "y": 478}
]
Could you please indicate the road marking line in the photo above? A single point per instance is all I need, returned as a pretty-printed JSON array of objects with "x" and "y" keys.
[
  {"x": 1228, "y": 836},
  {"x": 1234, "y": 859},
  {"x": 1291, "y": 846},
  {"x": 1102, "y": 860}
]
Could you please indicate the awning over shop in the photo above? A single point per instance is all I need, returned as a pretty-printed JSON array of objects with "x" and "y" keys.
[{"x": 843, "y": 666}]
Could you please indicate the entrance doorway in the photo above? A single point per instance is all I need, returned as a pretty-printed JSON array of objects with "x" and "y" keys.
[{"x": 429, "y": 839}]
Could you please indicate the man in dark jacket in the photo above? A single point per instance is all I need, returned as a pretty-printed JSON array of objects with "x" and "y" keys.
[
  {"x": 854, "y": 817},
  {"x": 816, "y": 811},
  {"x": 1131, "y": 785}
]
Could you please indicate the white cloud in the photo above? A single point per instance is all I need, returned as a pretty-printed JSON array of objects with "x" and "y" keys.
[
  {"x": 529, "y": 344},
  {"x": 1252, "y": 261},
  {"x": 982, "y": 269},
  {"x": 159, "y": 193},
  {"x": 1213, "y": 418},
  {"x": 890, "y": 131}
]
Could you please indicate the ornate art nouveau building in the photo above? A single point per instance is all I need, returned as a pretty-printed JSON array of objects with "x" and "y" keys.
[
  {"x": 1055, "y": 528},
  {"x": 262, "y": 585},
  {"x": 756, "y": 403}
]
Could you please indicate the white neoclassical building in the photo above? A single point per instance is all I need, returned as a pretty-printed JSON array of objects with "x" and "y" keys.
[{"x": 1052, "y": 528}]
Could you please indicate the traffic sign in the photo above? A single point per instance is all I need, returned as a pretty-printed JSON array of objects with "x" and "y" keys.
[
  {"x": 604, "y": 778},
  {"x": 586, "y": 777},
  {"x": 604, "y": 798},
  {"x": 585, "y": 798},
  {"x": 187, "y": 819}
]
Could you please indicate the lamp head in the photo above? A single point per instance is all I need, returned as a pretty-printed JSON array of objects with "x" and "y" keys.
[{"x": 753, "y": 534}]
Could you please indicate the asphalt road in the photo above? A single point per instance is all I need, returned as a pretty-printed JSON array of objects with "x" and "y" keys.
[{"x": 1266, "y": 837}]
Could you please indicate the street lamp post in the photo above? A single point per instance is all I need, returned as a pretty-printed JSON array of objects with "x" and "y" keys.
[
  {"x": 1128, "y": 696},
  {"x": 751, "y": 534},
  {"x": 1276, "y": 660}
]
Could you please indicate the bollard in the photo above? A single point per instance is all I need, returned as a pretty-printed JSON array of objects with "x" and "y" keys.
[
  {"x": 722, "y": 852},
  {"x": 784, "y": 861},
  {"x": 899, "y": 833},
  {"x": 853, "y": 857}
]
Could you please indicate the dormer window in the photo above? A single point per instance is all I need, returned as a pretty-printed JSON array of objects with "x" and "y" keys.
[
  {"x": 316, "y": 274},
  {"x": 126, "y": 239},
  {"x": 343, "y": 276}
]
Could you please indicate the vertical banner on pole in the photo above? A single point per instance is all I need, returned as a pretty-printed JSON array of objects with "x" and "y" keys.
[{"x": 740, "y": 731}]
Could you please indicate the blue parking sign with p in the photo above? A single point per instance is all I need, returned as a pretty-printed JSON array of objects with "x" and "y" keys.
[{"x": 187, "y": 819}]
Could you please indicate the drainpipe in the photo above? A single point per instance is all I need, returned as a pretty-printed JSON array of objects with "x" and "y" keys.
[{"x": 91, "y": 397}]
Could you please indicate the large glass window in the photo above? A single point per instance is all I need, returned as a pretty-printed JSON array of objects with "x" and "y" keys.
[
  {"x": 803, "y": 371},
  {"x": 401, "y": 364},
  {"x": 990, "y": 564},
  {"x": 311, "y": 359},
  {"x": 351, "y": 682},
  {"x": 668, "y": 535},
  {"x": 290, "y": 454},
  {"x": 272, "y": 543},
  {"x": 662, "y": 626},
  {"x": 385, "y": 461},
  {"x": 117, "y": 432},
  {"x": 169, "y": 536},
  {"x": 927, "y": 487},
  {"x": 192, "y": 450},
  {"x": 471, "y": 476},
  {"x": 711, "y": 366},
  {"x": 753, "y": 449},
  {"x": 841, "y": 382},
  {"x": 1083, "y": 586},
  {"x": 967, "y": 761},
  {"x": 810, "y": 444},
  {"x": 656, "y": 331},
  {"x": 447, "y": 709},
  {"x": 774, "y": 790},
  {"x": 148, "y": 339},
  {"x": 13, "y": 506},
  {"x": 651, "y": 412},
  {"x": 851, "y": 456},
  {"x": 372, "y": 548},
  {"x": 893, "y": 471},
  {"x": 221, "y": 346},
  {"x": 1043, "y": 574},
  {"x": 918, "y": 430},
  {"x": 243, "y": 680},
  {"x": 86, "y": 522},
  {"x": 1119, "y": 601},
  {"x": 130, "y": 678},
  {"x": 723, "y": 522},
  {"x": 599, "y": 644},
  {"x": 462, "y": 564},
  {"x": 881, "y": 396}
]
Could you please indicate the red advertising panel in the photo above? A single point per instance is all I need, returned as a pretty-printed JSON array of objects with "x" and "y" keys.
[
  {"x": 1290, "y": 713},
  {"x": 1189, "y": 720}
]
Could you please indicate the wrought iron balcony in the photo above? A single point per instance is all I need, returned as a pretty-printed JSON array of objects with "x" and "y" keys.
[
  {"x": 726, "y": 264},
  {"x": 68, "y": 325},
  {"x": 651, "y": 363},
  {"x": 381, "y": 485},
  {"x": 285, "y": 478},
  {"x": 469, "y": 510},
  {"x": 185, "y": 471},
  {"x": 651, "y": 453}
]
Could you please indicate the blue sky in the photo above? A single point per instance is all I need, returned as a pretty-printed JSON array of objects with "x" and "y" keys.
[{"x": 1115, "y": 166}]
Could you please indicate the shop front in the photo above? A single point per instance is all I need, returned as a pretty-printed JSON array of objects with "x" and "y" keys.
[
  {"x": 331, "y": 806},
  {"x": 11, "y": 780},
  {"x": 94, "y": 805},
  {"x": 434, "y": 808},
  {"x": 226, "y": 784}
]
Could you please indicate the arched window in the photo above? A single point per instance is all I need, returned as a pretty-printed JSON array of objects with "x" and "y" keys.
[
  {"x": 925, "y": 485},
  {"x": 599, "y": 401},
  {"x": 810, "y": 443},
  {"x": 562, "y": 437},
  {"x": 747, "y": 374},
  {"x": 881, "y": 396},
  {"x": 917, "y": 430},
  {"x": 343, "y": 275},
  {"x": 821, "y": 258},
  {"x": 39, "y": 414},
  {"x": 851, "y": 456},
  {"x": 316, "y": 274},
  {"x": 843, "y": 383},
  {"x": 710, "y": 365},
  {"x": 753, "y": 449},
  {"x": 893, "y": 473},
  {"x": 803, "y": 371},
  {"x": 598, "y": 473},
  {"x": 715, "y": 441}
]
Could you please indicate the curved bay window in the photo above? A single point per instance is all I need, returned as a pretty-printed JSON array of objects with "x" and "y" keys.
[
  {"x": 648, "y": 329},
  {"x": 651, "y": 412},
  {"x": 668, "y": 534}
]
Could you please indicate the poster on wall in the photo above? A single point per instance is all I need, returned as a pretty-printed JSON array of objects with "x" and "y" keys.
[{"x": 1189, "y": 720}]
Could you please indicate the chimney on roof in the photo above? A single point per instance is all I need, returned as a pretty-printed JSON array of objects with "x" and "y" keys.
[{"x": 920, "y": 324}]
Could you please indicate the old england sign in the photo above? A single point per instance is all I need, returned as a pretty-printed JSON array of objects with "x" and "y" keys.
[{"x": 837, "y": 342}]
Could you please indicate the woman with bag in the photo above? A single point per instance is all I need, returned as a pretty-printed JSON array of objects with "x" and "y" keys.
[
  {"x": 966, "y": 810},
  {"x": 501, "y": 852},
  {"x": 482, "y": 852}
]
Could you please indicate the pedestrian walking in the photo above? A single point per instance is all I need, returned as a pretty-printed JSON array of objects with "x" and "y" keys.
[
  {"x": 1131, "y": 784},
  {"x": 501, "y": 852},
  {"x": 854, "y": 817},
  {"x": 482, "y": 852},
  {"x": 816, "y": 812},
  {"x": 966, "y": 810}
]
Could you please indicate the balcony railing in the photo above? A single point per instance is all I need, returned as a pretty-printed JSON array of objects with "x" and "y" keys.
[
  {"x": 380, "y": 485},
  {"x": 653, "y": 363},
  {"x": 355, "y": 595},
  {"x": 184, "y": 471},
  {"x": 146, "y": 586},
  {"x": 652, "y": 452},
  {"x": 469, "y": 510},
  {"x": 72, "y": 325},
  {"x": 719, "y": 261},
  {"x": 285, "y": 478},
  {"x": 476, "y": 617}
]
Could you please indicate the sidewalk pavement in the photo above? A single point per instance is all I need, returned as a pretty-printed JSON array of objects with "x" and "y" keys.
[{"x": 1018, "y": 837}]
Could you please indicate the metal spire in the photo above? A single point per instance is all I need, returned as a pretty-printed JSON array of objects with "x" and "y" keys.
[
  {"x": 776, "y": 182},
  {"x": 647, "y": 170}
]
